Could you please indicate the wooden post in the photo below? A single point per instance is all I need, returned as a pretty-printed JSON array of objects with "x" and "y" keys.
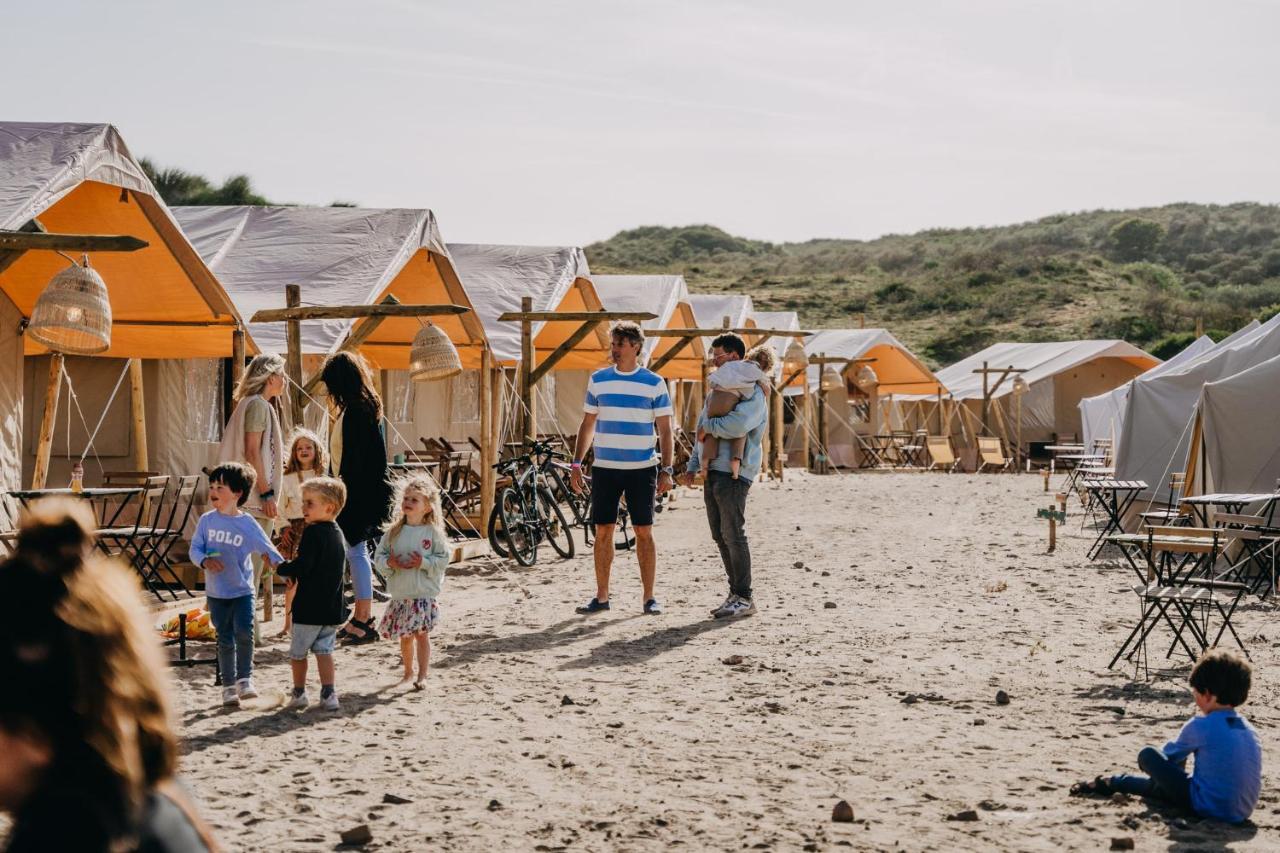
[
  {"x": 1047, "y": 472},
  {"x": 293, "y": 353},
  {"x": 528, "y": 419},
  {"x": 777, "y": 433},
  {"x": 487, "y": 444},
  {"x": 237, "y": 356},
  {"x": 495, "y": 422},
  {"x": 1053, "y": 533},
  {"x": 942, "y": 426},
  {"x": 44, "y": 446},
  {"x": 138, "y": 405},
  {"x": 821, "y": 462},
  {"x": 986, "y": 400},
  {"x": 805, "y": 440}
]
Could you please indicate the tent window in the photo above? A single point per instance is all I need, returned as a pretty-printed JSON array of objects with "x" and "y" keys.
[
  {"x": 203, "y": 386},
  {"x": 464, "y": 398},
  {"x": 400, "y": 396}
]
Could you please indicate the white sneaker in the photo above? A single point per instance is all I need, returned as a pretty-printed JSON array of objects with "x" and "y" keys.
[
  {"x": 298, "y": 702},
  {"x": 739, "y": 608},
  {"x": 715, "y": 611},
  {"x": 330, "y": 702},
  {"x": 230, "y": 696},
  {"x": 245, "y": 688}
]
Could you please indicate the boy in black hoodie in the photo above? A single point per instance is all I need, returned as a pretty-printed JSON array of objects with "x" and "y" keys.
[{"x": 318, "y": 608}]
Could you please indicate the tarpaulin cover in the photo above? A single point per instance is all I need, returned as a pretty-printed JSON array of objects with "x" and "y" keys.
[
  {"x": 711, "y": 309},
  {"x": 786, "y": 321},
  {"x": 1159, "y": 411},
  {"x": 81, "y": 179},
  {"x": 338, "y": 256},
  {"x": 11, "y": 397},
  {"x": 1102, "y": 416},
  {"x": 556, "y": 278},
  {"x": 898, "y": 369},
  {"x": 1238, "y": 417},
  {"x": 668, "y": 297},
  {"x": 1039, "y": 361}
]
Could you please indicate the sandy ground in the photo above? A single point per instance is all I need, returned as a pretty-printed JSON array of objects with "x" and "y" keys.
[{"x": 892, "y": 609}]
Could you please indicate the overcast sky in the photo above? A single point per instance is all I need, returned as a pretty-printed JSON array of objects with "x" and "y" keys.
[{"x": 564, "y": 122}]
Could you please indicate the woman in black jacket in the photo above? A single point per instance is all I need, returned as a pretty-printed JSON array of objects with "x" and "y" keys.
[{"x": 358, "y": 455}]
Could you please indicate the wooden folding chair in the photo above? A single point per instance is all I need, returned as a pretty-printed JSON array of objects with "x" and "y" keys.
[
  {"x": 991, "y": 453},
  {"x": 1173, "y": 512},
  {"x": 941, "y": 455}
]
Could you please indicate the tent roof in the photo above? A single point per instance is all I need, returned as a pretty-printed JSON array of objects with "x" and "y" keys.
[
  {"x": 338, "y": 256},
  {"x": 712, "y": 308},
  {"x": 788, "y": 320},
  {"x": 896, "y": 366},
  {"x": 1039, "y": 360},
  {"x": 555, "y": 277},
  {"x": 81, "y": 179},
  {"x": 668, "y": 297}
]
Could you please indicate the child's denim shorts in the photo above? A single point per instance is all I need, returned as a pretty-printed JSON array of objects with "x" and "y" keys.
[{"x": 315, "y": 639}]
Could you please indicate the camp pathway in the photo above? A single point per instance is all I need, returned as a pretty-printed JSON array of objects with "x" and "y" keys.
[{"x": 893, "y": 608}]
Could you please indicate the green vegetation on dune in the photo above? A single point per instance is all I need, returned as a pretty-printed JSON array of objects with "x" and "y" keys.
[{"x": 1143, "y": 275}]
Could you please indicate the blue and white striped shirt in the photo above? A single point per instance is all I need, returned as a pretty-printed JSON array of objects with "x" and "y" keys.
[{"x": 626, "y": 405}]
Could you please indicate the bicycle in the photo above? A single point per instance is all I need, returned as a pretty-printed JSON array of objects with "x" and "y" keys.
[
  {"x": 580, "y": 504},
  {"x": 526, "y": 513}
]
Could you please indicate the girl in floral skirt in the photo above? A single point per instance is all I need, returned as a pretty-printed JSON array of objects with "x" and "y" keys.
[
  {"x": 306, "y": 460},
  {"x": 412, "y": 558}
]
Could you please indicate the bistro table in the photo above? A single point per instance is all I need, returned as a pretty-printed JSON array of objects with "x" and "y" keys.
[
  {"x": 1232, "y": 503},
  {"x": 1056, "y": 449},
  {"x": 99, "y": 496},
  {"x": 1115, "y": 497}
]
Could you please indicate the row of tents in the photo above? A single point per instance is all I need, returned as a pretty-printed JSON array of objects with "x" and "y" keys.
[{"x": 181, "y": 309}]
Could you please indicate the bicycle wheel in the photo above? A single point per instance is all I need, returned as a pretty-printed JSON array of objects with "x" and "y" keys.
[
  {"x": 497, "y": 534},
  {"x": 555, "y": 526},
  {"x": 582, "y": 512},
  {"x": 522, "y": 542}
]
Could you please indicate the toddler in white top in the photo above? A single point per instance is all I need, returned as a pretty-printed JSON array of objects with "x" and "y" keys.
[{"x": 731, "y": 383}]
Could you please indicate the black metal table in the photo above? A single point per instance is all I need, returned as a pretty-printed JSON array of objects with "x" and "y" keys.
[{"x": 1115, "y": 497}]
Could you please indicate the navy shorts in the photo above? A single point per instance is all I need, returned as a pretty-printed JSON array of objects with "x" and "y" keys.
[{"x": 609, "y": 485}]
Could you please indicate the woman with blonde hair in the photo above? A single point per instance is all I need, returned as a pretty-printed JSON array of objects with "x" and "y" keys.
[
  {"x": 253, "y": 436},
  {"x": 87, "y": 755}
]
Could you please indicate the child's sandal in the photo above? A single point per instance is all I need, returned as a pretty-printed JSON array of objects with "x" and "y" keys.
[{"x": 1099, "y": 787}]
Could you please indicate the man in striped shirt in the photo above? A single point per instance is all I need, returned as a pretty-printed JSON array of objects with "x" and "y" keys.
[{"x": 627, "y": 412}]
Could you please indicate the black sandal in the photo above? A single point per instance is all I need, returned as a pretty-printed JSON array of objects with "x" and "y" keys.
[
  {"x": 1099, "y": 787},
  {"x": 370, "y": 634}
]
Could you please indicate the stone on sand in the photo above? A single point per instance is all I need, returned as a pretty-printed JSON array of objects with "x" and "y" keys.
[
  {"x": 842, "y": 812},
  {"x": 357, "y": 835}
]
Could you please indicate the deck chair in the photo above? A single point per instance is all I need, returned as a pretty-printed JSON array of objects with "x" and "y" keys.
[
  {"x": 941, "y": 456},
  {"x": 991, "y": 453}
]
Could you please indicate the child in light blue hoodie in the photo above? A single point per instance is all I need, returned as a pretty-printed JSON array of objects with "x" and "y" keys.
[{"x": 412, "y": 558}]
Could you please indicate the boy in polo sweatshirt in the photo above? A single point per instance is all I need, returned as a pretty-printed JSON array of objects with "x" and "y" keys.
[{"x": 224, "y": 541}]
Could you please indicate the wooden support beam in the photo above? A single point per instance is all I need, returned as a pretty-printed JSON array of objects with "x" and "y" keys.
[
  {"x": 357, "y": 336},
  {"x": 9, "y": 256},
  {"x": 777, "y": 433},
  {"x": 528, "y": 420},
  {"x": 351, "y": 312},
  {"x": 836, "y": 359},
  {"x": 44, "y": 444},
  {"x": 720, "y": 330},
  {"x": 572, "y": 316},
  {"x": 805, "y": 440},
  {"x": 561, "y": 351},
  {"x": 138, "y": 407},
  {"x": 293, "y": 353},
  {"x": 38, "y": 241},
  {"x": 487, "y": 445},
  {"x": 237, "y": 356},
  {"x": 662, "y": 361}
]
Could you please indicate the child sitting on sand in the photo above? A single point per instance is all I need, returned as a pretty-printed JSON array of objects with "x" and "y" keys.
[
  {"x": 318, "y": 608},
  {"x": 731, "y": 383},
  {"x": 412, "y": 558},
  {"x": 224, "y": 541},
  {"x": 1228, "y": 757},
  {"x": 306, "y": 460}
]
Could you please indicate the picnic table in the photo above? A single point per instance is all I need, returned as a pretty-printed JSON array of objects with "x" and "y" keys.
[
  {"x": 1232, "y": 503},
  {"x": 1115, "y": 497}
]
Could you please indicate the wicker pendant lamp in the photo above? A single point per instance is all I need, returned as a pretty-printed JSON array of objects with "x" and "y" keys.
[
  {"x": 433, "y": 356},
  {"x": 866, "y": 378},
  {"x": 794, "y": 359},
  {"x": 830, "y": 379},
  {"x": 73, "y": 314}
]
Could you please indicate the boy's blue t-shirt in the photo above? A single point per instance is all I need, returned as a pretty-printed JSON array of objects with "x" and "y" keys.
[
  {"x": 233, "y": 539},
  {"x": 1228, "y": 773}
]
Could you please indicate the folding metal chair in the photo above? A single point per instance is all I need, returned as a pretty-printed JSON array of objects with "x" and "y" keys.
[
  {"x": 160, "y": 543},
  {"x": 129, "y": 542}
]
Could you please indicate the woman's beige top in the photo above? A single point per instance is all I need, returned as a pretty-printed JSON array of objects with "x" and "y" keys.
[{"x": 232, "y": 449}]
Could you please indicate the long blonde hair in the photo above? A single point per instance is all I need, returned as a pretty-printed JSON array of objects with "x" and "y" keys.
[
  {"x": 82, "y": 666},
  {"x": 426, "y": 487},
  {"x": 321, "y": 464}
]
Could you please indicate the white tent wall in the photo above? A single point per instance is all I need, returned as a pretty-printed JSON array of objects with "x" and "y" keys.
[
  {"x": 449, "y": 408},
  {"x": 1159, "y": 411},
  {"x": 1084, "y": 380},
  {"x": 1238, "y": 417},
  {"x": 570, "y": 394},
  {"x": 11, "y": 408}
]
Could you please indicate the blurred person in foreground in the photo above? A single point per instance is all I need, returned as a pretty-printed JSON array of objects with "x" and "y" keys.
[{"x": 87, "y": 754}]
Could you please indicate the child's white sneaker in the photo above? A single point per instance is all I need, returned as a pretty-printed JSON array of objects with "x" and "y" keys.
[
  {"x": 298, "y": 701},
  {"x": 230, "y": 696},
  {"x": 245, "y": 689},
  {"x": 330, "y": 702}
]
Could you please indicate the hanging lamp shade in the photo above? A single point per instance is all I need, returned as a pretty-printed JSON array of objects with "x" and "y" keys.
[
  {"x": 830, "y": 379},
  {"x": 433, "y": 355},
  {"x": 866, "y": 378},
  {"x": 73, "y": 314},
  {"x": 1020, "y": 386},
  {"x": 794, "y": 359}
]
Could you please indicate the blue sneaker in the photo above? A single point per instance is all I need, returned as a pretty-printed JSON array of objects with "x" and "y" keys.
[
  {"x": 593, "y": 606},
  {"x": 652, "y": 608}
]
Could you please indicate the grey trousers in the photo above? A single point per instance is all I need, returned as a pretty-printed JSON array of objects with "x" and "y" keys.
[{"x": 726, "y": 500}]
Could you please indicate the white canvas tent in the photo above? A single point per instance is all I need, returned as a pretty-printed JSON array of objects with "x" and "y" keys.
[
  {"x": 1240, "y": 448},
  {"x": 1160, "y": 411},
  {"x": 1102, "y": 416},
  {"x": 1058, "y": 374},
  {"x": 167, "y": 307},
  {"x": 712, "y": 309}
]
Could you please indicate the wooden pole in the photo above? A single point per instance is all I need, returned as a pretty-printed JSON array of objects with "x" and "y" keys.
[
  {"x": 528, "y": 420},
  {"x": 237, "y": 356},
  {"x": 486, "y": 437},
  {"x": 986, "y": 400},
  {"x": 495, "y": 422},
  {"x": 805, "y": 441},
  {"x": 138, "y": 405},
  {"x": 777, "y": 431},
  {"x": 44, "y": 445},
  {"x": 293, "y": 353},
  {"x": 822, "y": 461}
]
